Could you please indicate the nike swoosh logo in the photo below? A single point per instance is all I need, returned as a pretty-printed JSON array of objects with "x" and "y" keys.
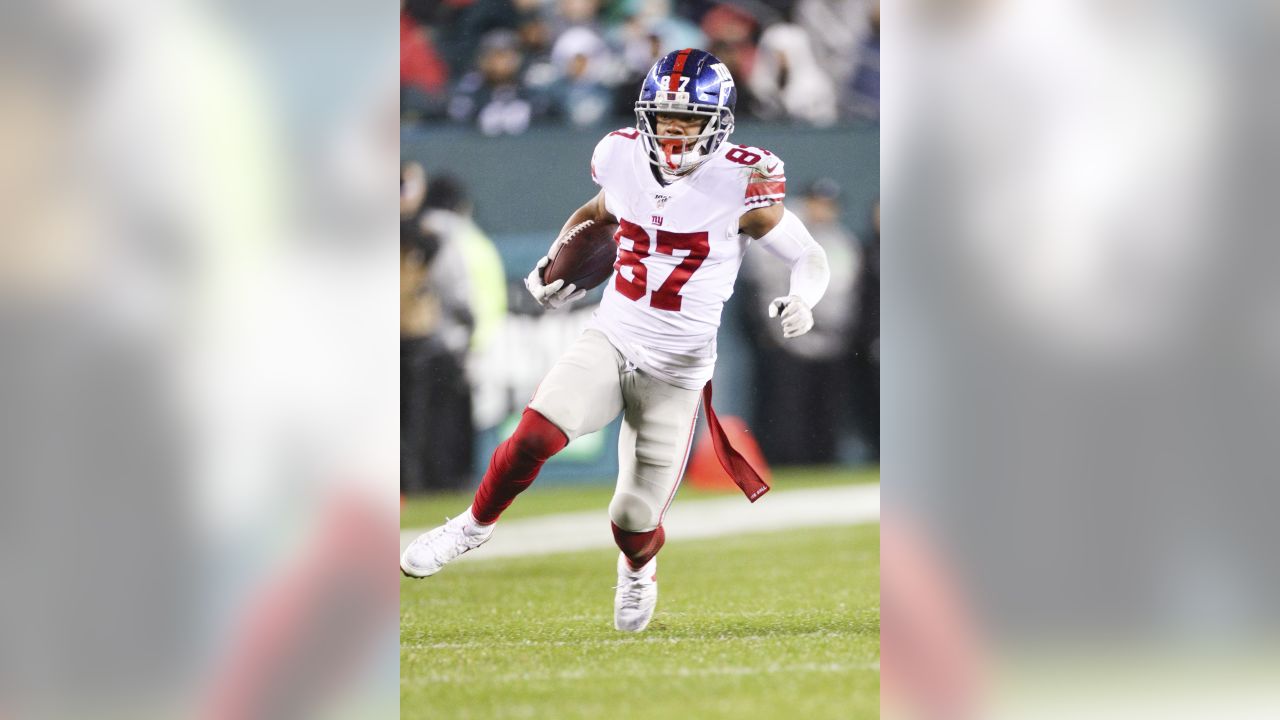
[{"x": 771, "y": 167}]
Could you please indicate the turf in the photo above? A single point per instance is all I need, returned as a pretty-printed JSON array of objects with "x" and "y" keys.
[
  {"x": 777, "y": 625},
  {"x": 430, "y": 510}
]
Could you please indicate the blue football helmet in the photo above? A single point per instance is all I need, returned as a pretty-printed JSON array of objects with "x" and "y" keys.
[{"x": 686, "y": 82}]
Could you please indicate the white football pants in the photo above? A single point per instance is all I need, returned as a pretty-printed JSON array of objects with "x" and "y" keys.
[{"x": 587, "y": 388}]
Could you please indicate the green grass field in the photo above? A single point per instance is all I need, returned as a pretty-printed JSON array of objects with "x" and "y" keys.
[{"x": 774, "y": 625}]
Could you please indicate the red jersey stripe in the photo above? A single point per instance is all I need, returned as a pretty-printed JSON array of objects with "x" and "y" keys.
[{"x": 766, "y": 188}]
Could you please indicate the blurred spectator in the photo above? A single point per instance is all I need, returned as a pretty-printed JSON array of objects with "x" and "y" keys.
[
  {"x": 801, "y": 392},
  {"x": 437, "y": 322},
  {"x": 461, "y": 25},
  {"x": 729, "y": 24},
  {"x": 862, "y": 98},
  {"x": 477, "y": 277},
  {"x": 538, "y": 74},
  {"x": 641, "y": 48},
  {"x": 837, "y": 30},
  {"x": 585, "y": 66},
  {"x": 646, "y": 18},
  {"x": 419, "y": 317},
  {"x": 491, "y": 97},
  {"x": 788, "y": 80},
  {"x": 449, "y": 211},
  {"x": 424, "y": 76},
  {"x": 864, "y": 370},
  {"x": 576, "y": 13}
]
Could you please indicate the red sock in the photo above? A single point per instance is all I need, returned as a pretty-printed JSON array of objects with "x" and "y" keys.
[
  {"x": 515, "y": 463},
  {"x": 639, "y": 547}
]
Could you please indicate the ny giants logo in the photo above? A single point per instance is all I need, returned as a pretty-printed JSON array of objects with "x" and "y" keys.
[{"x": 657, "y": 219}]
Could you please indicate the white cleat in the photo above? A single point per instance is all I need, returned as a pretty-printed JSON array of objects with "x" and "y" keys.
[
  {"x": 636, "y": 596},
  {"x": 433, "y": 550}
]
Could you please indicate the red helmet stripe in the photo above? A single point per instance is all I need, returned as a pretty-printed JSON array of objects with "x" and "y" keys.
[{"x": 678, "y": 69}]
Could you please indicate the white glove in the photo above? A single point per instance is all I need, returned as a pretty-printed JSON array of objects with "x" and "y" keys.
[
  {"x": 797, "y": 318},
  {"x": 552, "y": 296}
]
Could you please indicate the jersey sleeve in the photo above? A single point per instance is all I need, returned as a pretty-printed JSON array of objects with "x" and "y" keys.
[
  {"x": 600, "y": 161},
  {"x": 767, "y": 183},
  {"x": 604, "y": 158}
]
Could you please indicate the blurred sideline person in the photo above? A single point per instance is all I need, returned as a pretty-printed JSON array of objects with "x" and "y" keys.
[
  {"x": 449, "y": 212},
  {"x": 472, "y": 306},
  {"x": 437, "y": 324},
  {"x": 688, "y": 203},
  {"x": 801, "y": 391},
  {"x": 419, "y": 316},
  {"x": 864, "y": 366}
]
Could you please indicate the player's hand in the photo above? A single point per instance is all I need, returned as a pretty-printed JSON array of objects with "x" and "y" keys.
[
  {"x": 797, "y": 317},
  {"x": 554, "y": 295}
]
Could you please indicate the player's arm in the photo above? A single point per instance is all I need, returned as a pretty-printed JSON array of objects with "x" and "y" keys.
[
  {"x": 556, "y": 294},
  {"x": 594, "y": 209},
  {"x": 784, "y": 236}
]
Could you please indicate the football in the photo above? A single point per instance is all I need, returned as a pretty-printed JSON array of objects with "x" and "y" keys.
[{"x": 583, "y": 256}]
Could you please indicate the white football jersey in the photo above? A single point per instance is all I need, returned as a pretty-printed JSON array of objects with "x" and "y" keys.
[{"x": 679, "y": 251}]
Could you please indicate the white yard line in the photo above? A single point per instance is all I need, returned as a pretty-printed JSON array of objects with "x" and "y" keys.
[
  {"x": 690, "y": 520},
  {"x": 583, "y": 674},
  {"x": 489, "y": 644}
]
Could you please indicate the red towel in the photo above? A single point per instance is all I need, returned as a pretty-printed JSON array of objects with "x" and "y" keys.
[{"x": 731, "y": 460}]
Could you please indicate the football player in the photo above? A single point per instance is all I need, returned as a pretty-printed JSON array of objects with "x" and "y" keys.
[{"x": 687, "y": 203}]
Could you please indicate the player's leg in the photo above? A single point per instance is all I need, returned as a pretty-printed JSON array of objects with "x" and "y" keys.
[
  {"x": 512, "y": 468},
  {"x": 580, "y": 395},
  {"x": 653, "y": 447}
]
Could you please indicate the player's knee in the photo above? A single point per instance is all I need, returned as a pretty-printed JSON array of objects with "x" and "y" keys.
[{"x": 632, "y": 513}]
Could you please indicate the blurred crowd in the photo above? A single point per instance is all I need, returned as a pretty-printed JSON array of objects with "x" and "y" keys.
[{"x": 504, "y": 65}]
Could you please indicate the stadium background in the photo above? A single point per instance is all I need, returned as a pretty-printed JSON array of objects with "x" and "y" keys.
[{"x": 502, "y": 103}]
